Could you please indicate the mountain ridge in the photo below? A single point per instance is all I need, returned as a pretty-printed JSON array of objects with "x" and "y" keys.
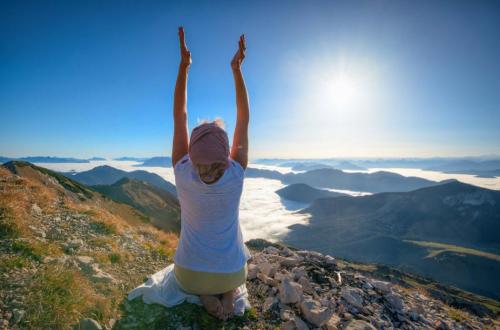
[{"x": 71, "y": 258}]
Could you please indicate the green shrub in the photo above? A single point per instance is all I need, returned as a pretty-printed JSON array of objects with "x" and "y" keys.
[
  {"x": 115, "y": 258},
  {"x": 25, "y": 250},
  {"x": 103, "y": 228}
]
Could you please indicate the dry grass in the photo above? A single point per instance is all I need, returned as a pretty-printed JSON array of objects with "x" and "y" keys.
[
  {"x": 457, "y": 314},
  {"x": 18, "y": 195},
  {"x": 59, "y": 297}
]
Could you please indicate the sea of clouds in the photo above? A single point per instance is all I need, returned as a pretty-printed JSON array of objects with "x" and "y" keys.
[{"x": 263, "y": 214}]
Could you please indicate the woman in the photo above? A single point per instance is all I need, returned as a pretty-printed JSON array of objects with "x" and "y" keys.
[{"x": 211, "y": 257}]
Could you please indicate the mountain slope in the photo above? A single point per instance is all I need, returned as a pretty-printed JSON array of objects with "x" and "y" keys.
[
  {"x": 337, "y": 179},
  {"x": 301, "y": 192},
  {"x": 162, "y": 207},
  {"x": 67, "y": 252},
  {"x": 106, "y": 175},
  {"x": 378, "y": 228},
  {"x": 157, "y": 162}
]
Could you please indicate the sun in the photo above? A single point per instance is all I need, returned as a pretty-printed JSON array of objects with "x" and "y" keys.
[{"x": 342, "y": 90}]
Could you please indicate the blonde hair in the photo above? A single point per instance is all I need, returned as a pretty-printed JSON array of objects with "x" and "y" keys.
[{"x": 218, "y": 121}]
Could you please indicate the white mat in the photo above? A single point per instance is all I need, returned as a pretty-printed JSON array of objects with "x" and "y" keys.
[{"x": 162, "y": 288}]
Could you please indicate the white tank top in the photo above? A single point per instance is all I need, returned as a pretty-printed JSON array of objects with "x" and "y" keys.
[{"x": 211, "y": 238}]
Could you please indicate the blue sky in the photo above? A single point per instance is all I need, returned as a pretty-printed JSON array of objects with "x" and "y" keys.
[{"x": 325, "y": 78}]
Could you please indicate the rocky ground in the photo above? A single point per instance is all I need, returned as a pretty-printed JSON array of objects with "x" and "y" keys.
[{"x": 307, "y": 290}]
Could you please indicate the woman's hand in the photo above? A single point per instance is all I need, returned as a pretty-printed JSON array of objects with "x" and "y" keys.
[
  {"x": 240, "y": 54},
  {"x": 185, "y": 53}
]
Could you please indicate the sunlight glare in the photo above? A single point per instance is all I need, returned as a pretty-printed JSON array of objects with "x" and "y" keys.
[{"x": 342, "y": 90}]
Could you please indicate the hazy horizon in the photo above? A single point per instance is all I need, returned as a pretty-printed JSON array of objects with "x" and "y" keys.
[{"x": 305, "y": 159}]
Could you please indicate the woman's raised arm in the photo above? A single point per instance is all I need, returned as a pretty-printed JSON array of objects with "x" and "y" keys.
[
  {"x": 239, "y": 149},
  {"x": 181, "y": 138}
]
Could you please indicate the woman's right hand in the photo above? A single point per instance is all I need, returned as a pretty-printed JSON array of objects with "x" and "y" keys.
[
  {"x": 240, "y": 54},
  {"x": 185, "y": 53}
]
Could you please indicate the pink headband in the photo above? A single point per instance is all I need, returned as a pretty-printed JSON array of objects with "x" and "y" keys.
[{"x": 209, "y": 144}]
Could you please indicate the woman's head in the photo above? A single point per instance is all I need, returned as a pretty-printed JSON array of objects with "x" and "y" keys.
[{"x": 209, "y": 149}]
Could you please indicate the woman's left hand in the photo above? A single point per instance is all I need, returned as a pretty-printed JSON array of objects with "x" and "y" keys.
[{"x": 240, "y": 54}]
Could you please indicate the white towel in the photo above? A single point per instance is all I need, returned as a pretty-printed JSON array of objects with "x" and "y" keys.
[{"x": 162, "y": 288}]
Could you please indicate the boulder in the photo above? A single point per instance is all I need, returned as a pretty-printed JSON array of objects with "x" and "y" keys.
[
  {"x": 267, "y": 269},
  {"x": 314, "y": 312},
  {"x": 306, "y": 286},
  {"x": 353, "y": 296},
  {"x": 381, "y": 286},
  {"x": 271, "y": 250},
  {"x": 395, "y": 301},
  {"x": 289, "y": 292},
  {"x": 252, "y": 271},
  {"x": 298, "y": 272},
  {"x": 295, "y": 323},
  {"x": 291, "y": 261}
]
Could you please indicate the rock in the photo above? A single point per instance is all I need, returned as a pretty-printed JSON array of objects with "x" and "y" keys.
[
  {"x": 288, "y": 325},
  {"x": 89, "y": 324},
  {"x": 298, "y": 272},
  {"x": 306, "y": 286},
  {"x": 359, "y": 325},
  {"x": 267, "y": 280},
  {"x": 286, "y": 252},
  {"x": 267, "y": 269},
  {"x": 18, "y": 315},
  {"x": 75, "y": 243},
  {"x": 271, "y": 250},
  {"x": 53, "y": 260},
  {"x": 55, "y": 233},
  {"x": 286, "y": 312},
  {"x": 333, "y": 323},
  {"x": 441, "y": 325},
  {"x": 353, "y": 296},
  {"x": 381, "y": 286},
  {"x": 301, "y": 325},
  {"x": 291, "y": 261},
  {"x": 314, "y": 312},
  {"x": 295, "y": 323},
  {"x": 367, "y": 286},
  {"x": 101, "y": 276},
  {"x": 269, "y": 304},
  {"x": 289, "y": 292},
  {"x": 279, "y": 276},
  {"x": 36, "y": 210},
  {"x": 252, "y": 271},
  {"x": 330, "y": 260},
  {"x": 395, "y": 301},
  {"x": 85, "y": 263}
]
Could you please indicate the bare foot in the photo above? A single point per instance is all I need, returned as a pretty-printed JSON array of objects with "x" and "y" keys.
[
  {"x": 228, "y": 304},
  {"x": 213, "y": 305}
]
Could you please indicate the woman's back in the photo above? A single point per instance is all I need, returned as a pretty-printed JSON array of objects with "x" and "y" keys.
[{"x": 211, "y": 238}]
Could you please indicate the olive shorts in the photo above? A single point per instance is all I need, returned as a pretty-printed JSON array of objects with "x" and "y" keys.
[{"x": 207, "y": 283}]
